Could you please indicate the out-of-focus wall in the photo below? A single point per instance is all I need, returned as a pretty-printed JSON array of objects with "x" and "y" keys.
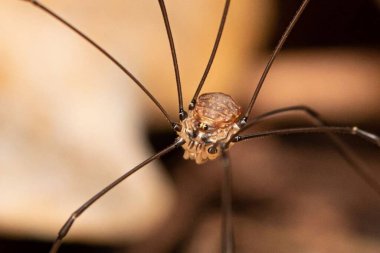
[{"x": 71, "y": 121}]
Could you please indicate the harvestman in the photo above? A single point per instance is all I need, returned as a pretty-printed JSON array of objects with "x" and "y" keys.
[{"x": 214, "y": 123}]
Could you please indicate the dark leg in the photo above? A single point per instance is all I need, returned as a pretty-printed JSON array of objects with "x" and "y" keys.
[
  {"x": 318, "y": 129},
  {"x": 228, "y": 245},
  {"x": 212, "y": 56},
  {"x": 284, "y": 36},
  {"x": 105, "y": 53},
  {"x": 343, "y": 149},
  {"x": 358, "y": 166},
  {"x": 66, "y": 227},
  {"x": 182, "y": 113},
  {"x": 314, "y": 116}
]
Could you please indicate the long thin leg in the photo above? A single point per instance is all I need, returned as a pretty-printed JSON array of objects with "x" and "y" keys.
[
  {"x": 66, "y": 227},
  {"x": 317, "y": 119},
  {"x": 318, "y": 129},
  {"x": 329, "y": 130},
  {"x": 108, "y": 55},
  {"x": 358, "y": 166},
  {"x": 228, "y": 243},
  {"x": 182, "y": 113},
  {"x": 212, "y": 56},
  {"x": 244, "y": 119}
]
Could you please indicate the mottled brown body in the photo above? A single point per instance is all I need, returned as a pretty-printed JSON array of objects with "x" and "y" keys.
[{"x": 209, "y": 125}]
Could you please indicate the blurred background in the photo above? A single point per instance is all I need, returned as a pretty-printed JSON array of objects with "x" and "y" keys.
[{"x": 71, "y": 122}]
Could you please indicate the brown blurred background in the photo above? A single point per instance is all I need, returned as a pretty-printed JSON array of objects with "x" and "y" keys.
[{"x": 71, "y": 122}]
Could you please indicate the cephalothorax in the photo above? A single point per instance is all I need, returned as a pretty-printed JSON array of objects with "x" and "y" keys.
[{"x": 209, "y": 126}]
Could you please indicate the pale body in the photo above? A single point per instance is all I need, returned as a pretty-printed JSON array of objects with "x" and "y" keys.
[{"x": 209, "y": 126}]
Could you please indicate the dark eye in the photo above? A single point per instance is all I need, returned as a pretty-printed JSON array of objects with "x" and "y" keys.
[{"x": 212, "y": 150}]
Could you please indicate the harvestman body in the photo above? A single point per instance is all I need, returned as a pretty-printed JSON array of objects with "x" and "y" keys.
[
  {"x": 214, "y": 122},
  {"x": 209, "y": 127}
]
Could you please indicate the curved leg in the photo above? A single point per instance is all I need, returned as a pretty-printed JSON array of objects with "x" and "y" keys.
[
  {"x": 228, "y": 245},
  {"x": 316, "y": 118},
  {"x": 279, "y": 45},
  {"x": 343, "y": 149},
  {"x": 318, "y": 129},
  {"x": 182, "y": 113},
  {"x": 106, "y": 54},
  {"x": 212, "y": 56},
  {"x": 358, "y": 166},
  {"x": 70, "y": 221}
]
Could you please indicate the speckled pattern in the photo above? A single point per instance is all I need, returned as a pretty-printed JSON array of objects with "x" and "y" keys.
[
  {"x": 216, "y": 109},
  {"x": 211, "y": 124}
]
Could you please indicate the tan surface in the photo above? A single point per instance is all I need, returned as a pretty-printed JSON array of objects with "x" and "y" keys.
[{"x": 71, "y": 122}]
